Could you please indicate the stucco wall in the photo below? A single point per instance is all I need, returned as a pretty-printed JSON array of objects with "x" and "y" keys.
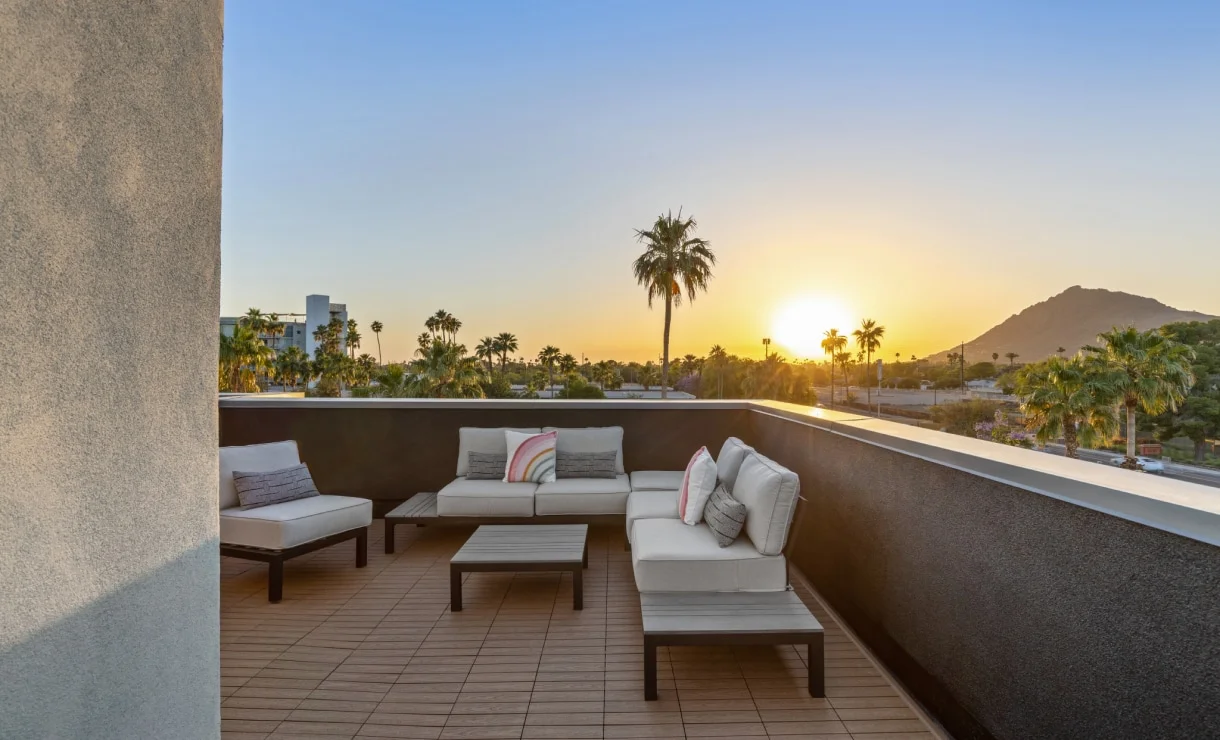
[
  {"x": 110, "y": 135},
  {"x": 1008, "y": 613}
]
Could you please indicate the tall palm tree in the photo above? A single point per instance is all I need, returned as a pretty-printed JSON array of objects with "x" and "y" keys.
[
  {"x": 505, "y": 343},
  {"x": 547, "y": 357},
  {"x": 291, "y": 366},
  {"x": 673, "y": 260},
  {"x": 273, "y": 328},
  {"x": 832, "y": 344},
  {"x": 485, "y": 350},
  {"x": 719, "y": 358},
  {"x": 451, "y": 326},
  {"x": 353, "y": 337},
  {"x": 868, "y": 338},
  {"x": 1067, "y": 398},
  {"x": 1012, "y": 356},
  {"x": 995, "y": 356},
  {"x": 376, "y": 326},
  {"x": 254, "y": 319},
  {"x": 1147, "y": 370},
  {"x": 649, "y": 376},
  {"x": 567, "y": 364},
  {"x": 443, "y": 370}
]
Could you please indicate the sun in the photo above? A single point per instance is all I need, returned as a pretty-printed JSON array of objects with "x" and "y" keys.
[{"x": 799, "y": 324}]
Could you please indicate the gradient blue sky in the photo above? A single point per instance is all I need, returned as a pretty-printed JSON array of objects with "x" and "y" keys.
[{"x": 936, "y": 166}]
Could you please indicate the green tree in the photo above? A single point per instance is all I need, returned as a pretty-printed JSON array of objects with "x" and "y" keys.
[
  {"x": 329, "y": 362},
  {"x": 832, "y": 344},
  {"x": 548, "y": 356},
  {"x": 674, "y": 260},
  {"x": 486, "y": 351},
  {"x": 649, "y": 375},
  {"x": 868, "y": 338},
  {"x": 292, "y": 366},
  {"x": 1067, "y": 398},
  {"x": 376, "y": 326},
  {"x": 1012, "y": 357},
  {"x": 505, "y": 343},
  {"x": 242, "y": 358},
  {"x": 443, "y": 370},
  {"x": 394, "y": 381},
  {"x": 352, "y": 338},
  {"x": 567, "y": 364},
  {"x": 719, "y": 360},
  {"x": 1148, "y": 370}
]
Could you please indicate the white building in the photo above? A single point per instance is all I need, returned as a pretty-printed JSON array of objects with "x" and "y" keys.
[
  {"x": 318, "y": 312},
  {"x": 294, "y": 333}
]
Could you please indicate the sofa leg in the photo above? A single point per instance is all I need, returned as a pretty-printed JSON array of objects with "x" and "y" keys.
[
  {"x": 362, "y": 547},
  {"x": 275, "y": 580}
]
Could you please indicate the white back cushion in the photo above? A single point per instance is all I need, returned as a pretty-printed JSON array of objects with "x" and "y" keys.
[
  {"x": 769, "y": 491},
  {"x": 488, "y": 440},
  {"x": 732, "y": 453},
  {"x": 591, "y": 439},
  {"x": 253, "y": 459}
]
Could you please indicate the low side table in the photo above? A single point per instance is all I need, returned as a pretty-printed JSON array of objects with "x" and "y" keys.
[
  {"x": 734, "y": 618},
  {"x": 519, "y": 548}
]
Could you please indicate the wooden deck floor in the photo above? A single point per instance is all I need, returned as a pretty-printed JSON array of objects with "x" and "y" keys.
[{"x": 376, "y": 653}]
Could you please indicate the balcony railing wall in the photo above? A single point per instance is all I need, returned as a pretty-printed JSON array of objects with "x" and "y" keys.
[{"x": 1015, "y": 594}]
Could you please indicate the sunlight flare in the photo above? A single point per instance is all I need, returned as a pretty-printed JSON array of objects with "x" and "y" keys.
[{"x": 799, "y": 324}]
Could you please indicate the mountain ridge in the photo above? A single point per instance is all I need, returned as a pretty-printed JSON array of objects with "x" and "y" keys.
[{"x": 1070, "y": 319}]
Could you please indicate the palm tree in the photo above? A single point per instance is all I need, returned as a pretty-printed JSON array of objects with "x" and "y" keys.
[
  {"x": 365, "y": 367},
  {"x": 995, "y": 356},
  {"x": 486, "y": 350},
  {"x": 832, "y": 343},
  {"x": 1061, "y": 350},
  {"x": 1011, "y": 357},
  {"x": 1067, "y": 398},
  {"x": 547, "y": 357},
  {"x": 673, "y": 260},
  {"x": 649, "y": 376},
  {"x": 273, "y": 327},
  {"x": 253, "y": 319},
  {"x": 451, "y": 326},
  {"x": 443, "y": 370},
  {"x": 1147, "y": 370},
  {"x": 567, "y": 364},
  {"x": 505, "y": 343},
  {"x": 868, "y": 338},
  {"x": 291, "y": 366},
  {"x": 377, "y": 327},
  {"x": 353, "y": 337},
  {"x": 719, "y": 358},
  {"x": 242, "y": 357}
]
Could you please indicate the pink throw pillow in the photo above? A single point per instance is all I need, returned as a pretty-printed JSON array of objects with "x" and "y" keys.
[{"x": 698, "y": 483}]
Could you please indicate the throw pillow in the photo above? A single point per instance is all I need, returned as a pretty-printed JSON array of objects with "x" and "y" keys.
[
  {"x": 531, "y": 457},
  {"x": 724, "y": 515},
  {"x": 485, "y": 465},
  {"x": 274, "y": 487},
  {"x": 586, "y": 464},
  {"x": 697, "y": 485}
]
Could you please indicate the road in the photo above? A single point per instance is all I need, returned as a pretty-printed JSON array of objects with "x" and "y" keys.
[{"x": 1176, "y": 471}]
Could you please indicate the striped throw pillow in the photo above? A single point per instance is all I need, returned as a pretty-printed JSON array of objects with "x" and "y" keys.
[
  {"x": 274, "y": 487},
  {"x": 725, "y": 516},
  {"x": 531, "y": 457},
  {"x": 697, "y": 486}
]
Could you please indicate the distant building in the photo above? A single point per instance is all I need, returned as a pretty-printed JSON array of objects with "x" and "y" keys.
[
  {"x": 318, "y": 312},
  {"x": 294, "y": 333}
]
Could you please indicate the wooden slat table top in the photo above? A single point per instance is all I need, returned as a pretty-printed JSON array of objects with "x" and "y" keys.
[
  {"x": 419, "y": 505},
  {"x": 524, "y": 543},
  {"x": 726, "y": 613}
]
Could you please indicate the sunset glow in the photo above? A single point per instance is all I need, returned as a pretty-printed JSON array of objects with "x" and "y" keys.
[{"x": 799, "y": 324}]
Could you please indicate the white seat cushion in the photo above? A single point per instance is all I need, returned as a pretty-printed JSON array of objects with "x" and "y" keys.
[
  {"x": 656, "y": 480},
  {"x": 651, "y": 505},
  {"x": 769, "y": 491},
  {"x": 668, "y": 555},
  {"x": 263, "y": 458},
  {"x": 485, "y": 498},
  {"x": 292, "y": 523},
  {"x": 583, "y": 496}
]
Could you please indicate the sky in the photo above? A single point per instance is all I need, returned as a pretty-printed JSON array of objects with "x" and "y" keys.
[{"x": 935, "y": 166}]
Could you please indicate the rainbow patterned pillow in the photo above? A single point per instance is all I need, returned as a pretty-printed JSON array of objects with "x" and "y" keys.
[{"x": 531, "y": 457}]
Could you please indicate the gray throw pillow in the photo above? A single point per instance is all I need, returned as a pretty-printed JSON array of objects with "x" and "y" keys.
[
  {"x": 586, "y": 464},
  {"x": 274, "y": 487},
  {"x": 486, "y": 465},
  {"x": 724, "y": 515}
]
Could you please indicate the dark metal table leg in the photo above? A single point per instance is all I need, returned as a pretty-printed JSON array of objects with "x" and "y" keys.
[
  {"x": 389, "y": 537},
  {"x": 578, "y": 589},
  {"x": 455, "y": 588},
  {"x": 817, "y": 667},
  {"x": 584, "y": 561},
  {"x": 650, "y": 669},
  {"x": 362, "y": 548}
]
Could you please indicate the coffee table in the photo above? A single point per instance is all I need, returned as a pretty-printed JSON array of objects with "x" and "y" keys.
[
  {"x": 736, "y": 618},
  {"x": 522, "y": 547}
]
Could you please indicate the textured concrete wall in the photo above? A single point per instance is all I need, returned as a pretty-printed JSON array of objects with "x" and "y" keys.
[
  {"x": 110, "y": 134},
  {"x": 1008, "y": 613}
]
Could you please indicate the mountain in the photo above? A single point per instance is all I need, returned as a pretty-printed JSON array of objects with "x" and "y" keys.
[{"x": 1071, "y": 319}]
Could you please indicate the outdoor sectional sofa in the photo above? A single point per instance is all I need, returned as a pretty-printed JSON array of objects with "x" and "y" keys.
[{"x": 667, "y": 554}]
